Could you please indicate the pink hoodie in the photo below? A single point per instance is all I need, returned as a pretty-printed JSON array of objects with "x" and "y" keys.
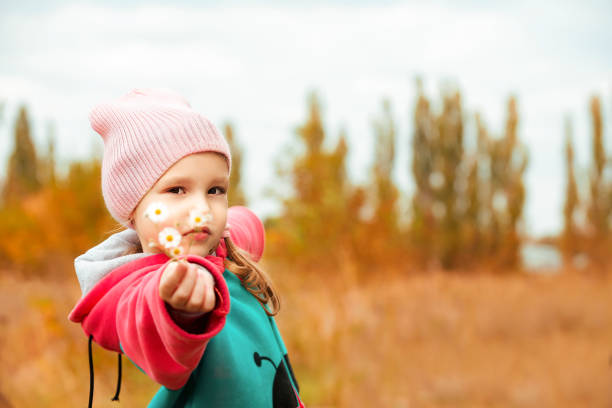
[{"x": 124, "y": 313}]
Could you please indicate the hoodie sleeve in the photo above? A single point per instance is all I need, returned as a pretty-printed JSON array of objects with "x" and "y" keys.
[
  {"x": 124, "y": 313},
  {"x": 246, "y": 231},
  {"x": 100, "y": 260}
]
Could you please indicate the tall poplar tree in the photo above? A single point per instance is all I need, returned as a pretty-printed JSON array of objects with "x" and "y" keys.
[
  {"x": 423, "y": 223},
  {"x": 569, "y": 238},
  {"x": 319, "y": 215},
  {"x": 386, "y": 194},
  {"x": 600, "y": 197},
  {"x": 438, "y": 168},
  {"x": 47, "y": 163},
  {"x": 22, "y": 175},
  {"x": 236, "y": 192},
  {"x": 505, "y": 197}
]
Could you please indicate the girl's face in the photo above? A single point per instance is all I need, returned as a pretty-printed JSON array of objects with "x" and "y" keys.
[{"x": 196, "y": 182}]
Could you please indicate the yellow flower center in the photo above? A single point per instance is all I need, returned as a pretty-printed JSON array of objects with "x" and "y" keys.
[
  {"x": 169, "y": 238},
  {"x": 198, "y": 219},
  {"x": 157, "y": 211}
]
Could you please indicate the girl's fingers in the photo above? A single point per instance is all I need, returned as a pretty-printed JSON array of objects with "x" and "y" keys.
[
  {"x": 182, "y": 294},
  {"x": 188, "y": 287},
  {"x": 171, "y": 278},
  {"x": 198, "y": 295},
  {"x": 210, "y": 300},
  {"x": 203, "y": 296}
]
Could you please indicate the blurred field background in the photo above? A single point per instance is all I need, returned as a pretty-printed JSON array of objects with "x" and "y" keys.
[
  {"x": 436, "y": 297},
  {"x": 438, "y": 311}
]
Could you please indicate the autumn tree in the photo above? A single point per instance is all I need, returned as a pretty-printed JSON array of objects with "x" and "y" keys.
[
  {"x": 236, "y": 193},
  {"x": 600, "y": 203},
  {"x": 423, "y": 221},
  {"x": 471, "y": 206},
  {"x": 508, "y": 164},
  {"x": 570, "y": 234},
  {"x": 507, "y": 160},
  {"x": 468, "y": 205},
  {"x": 50, "y": 227},
  {"x": 384, "y": 191},
  {"x": 22, "y": 176},
  {"x": 437, "y": 148},
  {"x": 49, "y": 218},
  {"x": 318, "y": 217},
  {"x": 47, "y": 162}
]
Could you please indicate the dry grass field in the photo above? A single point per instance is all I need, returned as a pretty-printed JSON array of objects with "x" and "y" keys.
[{"x": 429, "y": 340}]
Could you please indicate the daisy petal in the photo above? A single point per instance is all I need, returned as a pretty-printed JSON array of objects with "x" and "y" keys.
[
  {"x": 169, "y": 237},
  {"x": 157, "y": 212}
]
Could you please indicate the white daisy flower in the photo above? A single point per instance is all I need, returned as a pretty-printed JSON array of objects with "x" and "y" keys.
[
  {"x": 169, "y": 237},
  {"x": 197, "y": 219},
  {"x": 176, "y": 251},
  {"x": 157, "y": 212}
]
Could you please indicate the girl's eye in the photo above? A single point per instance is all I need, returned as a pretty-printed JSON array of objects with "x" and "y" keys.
[
  {"x": 217, "y": 191},
  {"x": 176, "y": 190}
]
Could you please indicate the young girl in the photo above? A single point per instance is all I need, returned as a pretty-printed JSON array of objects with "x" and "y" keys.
[{"x": 174, "y": 292}]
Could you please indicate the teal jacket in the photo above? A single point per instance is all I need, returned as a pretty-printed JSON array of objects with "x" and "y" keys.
[{"x": 245, "y": 365}]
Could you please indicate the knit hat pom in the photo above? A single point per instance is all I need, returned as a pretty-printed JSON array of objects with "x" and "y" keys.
[{"x": 100, "y": 116}]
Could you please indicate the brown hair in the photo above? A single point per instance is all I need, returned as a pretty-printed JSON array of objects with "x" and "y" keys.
[{"x": 251, "y": 276}]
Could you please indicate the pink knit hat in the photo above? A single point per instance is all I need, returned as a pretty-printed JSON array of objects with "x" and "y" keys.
[{"x": 145, "y": 132}]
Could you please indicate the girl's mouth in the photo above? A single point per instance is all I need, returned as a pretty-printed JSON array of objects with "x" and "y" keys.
[{"x": 198, "y": 236}]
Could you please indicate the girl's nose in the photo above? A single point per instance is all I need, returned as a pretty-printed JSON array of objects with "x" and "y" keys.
[{"x": 200, "y": 203}]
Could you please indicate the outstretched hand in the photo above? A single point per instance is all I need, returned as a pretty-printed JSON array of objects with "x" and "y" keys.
[{"x": 187, "y": 287}]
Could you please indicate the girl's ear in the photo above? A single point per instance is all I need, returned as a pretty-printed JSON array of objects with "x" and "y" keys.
[{"x": 132, "y": 219}]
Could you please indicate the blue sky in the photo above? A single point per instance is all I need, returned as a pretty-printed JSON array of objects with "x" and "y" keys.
[{"x": 254, "y": 63}]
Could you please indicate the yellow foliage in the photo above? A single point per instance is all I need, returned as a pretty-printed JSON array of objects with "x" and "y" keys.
[{"x": 45, "y": 230}]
